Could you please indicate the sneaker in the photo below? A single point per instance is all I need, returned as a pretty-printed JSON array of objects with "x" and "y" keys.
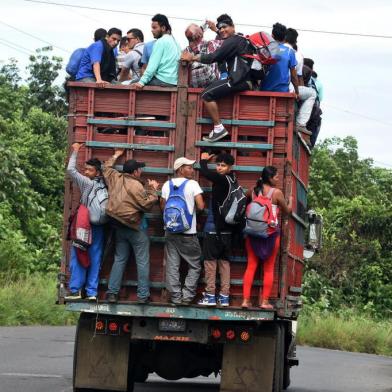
[
  {"x": 112, "y": 298},
  {"x": 91, "y": 298},
  {"x": 186, "y": 301},
  {"x": 223, "y": 300},
  {"x": 215, "y": 136},
  {"x": 207, "y": 300},
  {"x": 73, "y": 296},
  {"x": 142, "y": 301}
]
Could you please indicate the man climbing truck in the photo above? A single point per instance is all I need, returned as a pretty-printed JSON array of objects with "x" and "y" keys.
[{"x": 118, "y": 344}]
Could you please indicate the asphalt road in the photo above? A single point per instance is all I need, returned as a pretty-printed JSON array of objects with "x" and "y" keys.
[{"x": 39, "y": 359}]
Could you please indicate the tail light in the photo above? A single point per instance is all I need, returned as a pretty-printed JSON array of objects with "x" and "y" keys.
[
  {"x": 126, "y": 328},
  {"x": 230, "y": 334},
  {"x": 216, "y": 333},
  {"x": 245, "y": 336},
  {"x": 114, "y": 328},
  {"x": 100, "y": 327}
]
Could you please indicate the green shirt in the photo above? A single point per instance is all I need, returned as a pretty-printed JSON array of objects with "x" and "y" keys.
[{"x": 163, "y": 63}]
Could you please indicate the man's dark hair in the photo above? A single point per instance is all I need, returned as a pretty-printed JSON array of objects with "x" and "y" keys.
[
  {"x": 225, "y": 158},
  {"x": 114, "y": 30},
  {"x": 99, "y": 34},
  {"x": 137, "y": 34},
  {"x": 162, "y": 21},
  {"x": 279, "y": 32},
  {"x": 123, "y": 41},
  {"x": 224, "y": 18},
  {"x": 291, "y": 36},
  {"x": 96, "y": 163},
  {"x": 308, "y": 62}
]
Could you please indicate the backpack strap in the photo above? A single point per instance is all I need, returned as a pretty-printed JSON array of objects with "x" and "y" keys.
[
  {"x": 270, "y": 193},
  {"x": 179, "y": 189}
]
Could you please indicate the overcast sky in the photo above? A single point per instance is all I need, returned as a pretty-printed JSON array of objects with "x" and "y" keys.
[{"x": 355, "y": 71}]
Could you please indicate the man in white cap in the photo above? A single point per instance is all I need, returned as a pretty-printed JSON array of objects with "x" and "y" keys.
[{"x": 181, "y": 197}]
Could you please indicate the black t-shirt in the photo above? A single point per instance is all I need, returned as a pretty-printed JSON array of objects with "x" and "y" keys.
[{"x": 220, "y": 190}]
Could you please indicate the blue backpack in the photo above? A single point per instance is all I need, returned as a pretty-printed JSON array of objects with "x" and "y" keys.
[
  {"x": 72, "y": 67},
  {"x": 176, "y": 216}
]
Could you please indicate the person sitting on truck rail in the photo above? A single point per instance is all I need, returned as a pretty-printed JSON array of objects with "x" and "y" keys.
[
  {"x": 306, "y": 95},
  {"x": 162, "y": 67},
  {"x": 73, "y": 65},
  {"x": 94, "y": 195},
  {"x": 122, "y": 52},
  {"x": 129, "y": 199},
  {"x": 265, "y": 249},
  {"x": 184, "y": 194},
  {"x": 232, "y": 48},
  {"x": 132, "y": 59},
  {"x": 98, "y": 63},
  {"x": 282, "y": 72},
  {"x": 217, "y": 240},
  {"x": 201, "y": 74}
]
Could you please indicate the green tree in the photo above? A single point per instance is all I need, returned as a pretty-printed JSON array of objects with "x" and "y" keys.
[
  {"x": 44, "y": 93},
  {"x": 354, "y": 267}
]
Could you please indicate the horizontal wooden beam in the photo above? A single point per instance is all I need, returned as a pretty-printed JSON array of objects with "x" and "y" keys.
[
  {"x": 131, "y": 123},
  {"x": 249, "y": 146},
  {"x": 150, "y": 169},
  {"x": 256, "y": 123},
  {"x": 235, "y": 167},
  {"x": 130, "y": 146}
]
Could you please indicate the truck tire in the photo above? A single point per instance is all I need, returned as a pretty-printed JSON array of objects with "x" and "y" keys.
[
  {"x": 279, "y": 359},
  {"x": 286, "y": 376}
]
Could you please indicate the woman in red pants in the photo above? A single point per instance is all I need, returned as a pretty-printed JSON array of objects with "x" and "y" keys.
[{"x": 265, "y": 249}]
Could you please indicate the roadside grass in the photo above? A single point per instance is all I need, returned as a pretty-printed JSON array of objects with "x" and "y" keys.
[
  {"x": 31, "y": 301},
  {"x": 345, "y": 330}
]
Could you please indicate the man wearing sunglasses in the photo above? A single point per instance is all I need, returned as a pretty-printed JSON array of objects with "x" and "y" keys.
[
  {"x": 231, "y": 51},
  {"x": 132, "y": 59}
]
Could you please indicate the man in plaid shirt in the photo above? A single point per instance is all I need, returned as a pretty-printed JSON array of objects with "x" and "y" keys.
[{"x": 201, "y": 74}]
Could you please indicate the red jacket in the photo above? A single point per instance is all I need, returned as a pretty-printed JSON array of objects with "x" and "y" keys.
[{"x": 81, "y": 235}]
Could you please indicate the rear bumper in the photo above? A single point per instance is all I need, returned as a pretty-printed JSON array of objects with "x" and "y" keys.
[{"x": 170, "y": 311}]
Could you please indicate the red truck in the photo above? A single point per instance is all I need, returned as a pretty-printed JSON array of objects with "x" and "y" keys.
[{"x": 119, "y": 344}]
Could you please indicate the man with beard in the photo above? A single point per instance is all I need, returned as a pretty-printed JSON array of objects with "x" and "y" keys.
[{"x": 162, "y": 68}]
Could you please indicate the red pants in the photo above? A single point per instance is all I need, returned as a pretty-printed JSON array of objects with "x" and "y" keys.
[{"x": 269, "y": 266}]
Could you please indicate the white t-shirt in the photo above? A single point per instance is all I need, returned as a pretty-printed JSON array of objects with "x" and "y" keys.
[{"x": 192, "y": 189}]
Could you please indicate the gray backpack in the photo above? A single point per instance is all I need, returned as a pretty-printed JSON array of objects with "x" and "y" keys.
[{"x": 96, "y": 202}]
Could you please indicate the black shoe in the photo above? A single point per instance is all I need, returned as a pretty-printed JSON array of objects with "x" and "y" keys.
[
  {"x": 143, "y": 300},
  {"x": 215, "y": 136},
  {"x": 112, "y": 298}
]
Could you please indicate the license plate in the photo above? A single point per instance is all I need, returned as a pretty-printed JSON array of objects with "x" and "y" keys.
[{"x": 167, "y": 325}]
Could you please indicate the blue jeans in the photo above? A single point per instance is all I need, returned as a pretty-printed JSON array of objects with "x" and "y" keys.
[
  {"x": 88, "y": 277},
  {"x": 139, "y": 241}
]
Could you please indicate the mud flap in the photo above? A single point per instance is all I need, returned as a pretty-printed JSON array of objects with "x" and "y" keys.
[
  {"x": 254, "y": 367},
  {"x": 100, "y": 361}
]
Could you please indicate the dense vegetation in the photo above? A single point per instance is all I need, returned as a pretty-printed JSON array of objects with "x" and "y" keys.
[
  {"x": 352, "y": 273},
  {"x": 32, "y": 150}
]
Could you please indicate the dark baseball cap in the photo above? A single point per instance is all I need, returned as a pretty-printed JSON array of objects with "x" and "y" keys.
[{"x": 131, "y": 165}]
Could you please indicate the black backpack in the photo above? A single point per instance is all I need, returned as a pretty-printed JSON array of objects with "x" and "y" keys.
[{"x": 233, "y": 207}]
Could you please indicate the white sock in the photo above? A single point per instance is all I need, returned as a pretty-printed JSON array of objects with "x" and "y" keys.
[{"x": 218, "y": 128}]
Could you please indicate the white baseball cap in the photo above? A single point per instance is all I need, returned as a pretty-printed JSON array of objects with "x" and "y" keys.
[{"x": 181, "y": 162}]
